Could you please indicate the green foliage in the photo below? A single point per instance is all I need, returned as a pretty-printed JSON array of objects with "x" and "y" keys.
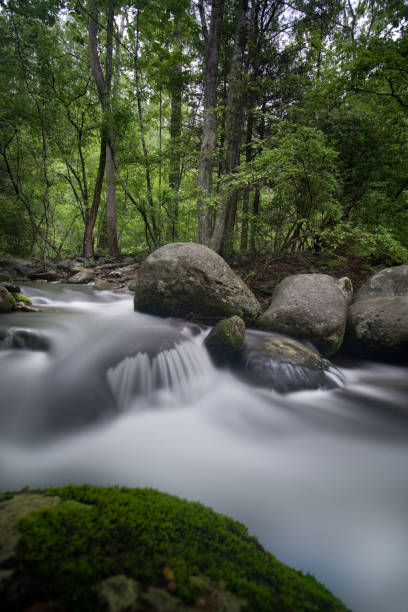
[
  {"x": 99, "y": 532},
  {"x": 325, "y": 135},
  {"x": 359, "y": 241}
]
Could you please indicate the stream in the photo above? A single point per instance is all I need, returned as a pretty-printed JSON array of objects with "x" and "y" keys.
[{"x": 320, "y": 477}]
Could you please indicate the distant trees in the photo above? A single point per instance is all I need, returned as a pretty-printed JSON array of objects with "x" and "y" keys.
[{"x": 244, "y": 124}]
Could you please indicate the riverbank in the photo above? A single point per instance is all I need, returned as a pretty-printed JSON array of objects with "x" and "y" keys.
[{"x": 261, "y": 273}]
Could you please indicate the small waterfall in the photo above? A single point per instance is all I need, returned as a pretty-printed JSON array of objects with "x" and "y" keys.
[{"x": 184, "y": 370}]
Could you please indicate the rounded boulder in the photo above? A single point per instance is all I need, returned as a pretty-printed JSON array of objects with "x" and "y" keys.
[
  {"x": 377, "y": 325},
  {"x": 308, "y": 307},
  {"x": 283, "y": 364},
  {"x": 183, "y": 278},
  {"x": 225, "y": 340}
]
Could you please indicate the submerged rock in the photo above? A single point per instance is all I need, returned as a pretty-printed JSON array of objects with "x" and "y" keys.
[
  {"x": 109, "y": 373},
  {"x": 183, "y": 278},
  {"x": 283, "y": 364},
  {"x": 225, "y": 340},
  {"x": 24, "y": 339},
  {"x": 377, "y": 325},
  {"x": 309, "y": 307},
  {"x": 109, "y": 548}
]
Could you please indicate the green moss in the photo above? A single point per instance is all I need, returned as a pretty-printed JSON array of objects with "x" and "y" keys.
[
  {"x": 347, "y": 284},
  {"x": 13, "y": 300},
  {"x": 19, "y": 297},
  {"x": 67, "y": 549},
  {"x": 225, "y": 340}
]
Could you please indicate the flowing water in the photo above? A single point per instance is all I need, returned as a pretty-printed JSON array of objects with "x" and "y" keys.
[{"x": 320, "y": 477}]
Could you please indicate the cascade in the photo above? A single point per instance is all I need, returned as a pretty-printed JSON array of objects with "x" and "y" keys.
[
  {"x": 320, "y": 477},
  {"x": 183, "y": 370}
]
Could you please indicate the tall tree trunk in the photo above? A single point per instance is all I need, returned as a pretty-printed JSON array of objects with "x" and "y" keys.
[
  {"x": 111, "y": 204},
  {"x": 88, "y": 249},
  {"x": 175, "y": 152},
  {"x": 225, "y": 217},
  {"x": 244, "y": 224},
  {"x": 254, "y": 221},
  {"x": 104, "y": 87},
  {"x": 111, "y": 232},
  {"x": 154, "y": 224},
  {"x": 209, "y": 136}
]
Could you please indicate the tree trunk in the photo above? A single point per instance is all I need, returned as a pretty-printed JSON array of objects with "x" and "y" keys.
[
  {"x": 175, "y": 153},
  {"x": 111, "y": 205},
  {"x": 154, "y": 224},
  {"x": 104, "y": 87},
  {"x": 209, "y": 135},
  {"x": 244, "y": 225},
  {"x": 111, "y": 233},
  {"x": 88, "y": 249},
  {"x": 225, "y": 217},
  {"x": 254, "y": 221}
]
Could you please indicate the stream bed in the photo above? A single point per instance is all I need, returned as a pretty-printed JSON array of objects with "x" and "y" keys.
[{"x": 320, "y": 477}]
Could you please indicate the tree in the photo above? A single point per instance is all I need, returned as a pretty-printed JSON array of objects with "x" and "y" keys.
[
  {"x": 212, "y": 37},
  {"x": 104, "y": 86}
]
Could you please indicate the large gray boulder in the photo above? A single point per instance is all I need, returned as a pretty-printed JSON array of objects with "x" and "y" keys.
[
  {"x": 184, "y": 278},
  {"x": 389, "y": 282},
  {"x": 377, "y": 323},
  {"x": 309, "y": 307},
  {"x": 283, "y": 364}
]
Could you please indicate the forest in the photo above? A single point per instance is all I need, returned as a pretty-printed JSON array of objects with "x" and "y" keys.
[{"x": 251, "y": 126}]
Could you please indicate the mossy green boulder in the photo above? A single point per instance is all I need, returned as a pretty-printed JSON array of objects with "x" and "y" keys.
[
  {"x": 225, "y": 340},
  {"x": 68, "y": 553}
]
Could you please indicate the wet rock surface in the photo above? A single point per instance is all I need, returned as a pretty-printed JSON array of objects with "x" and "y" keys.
[
  {"x": 283, "y": 364},
  {"x": 187, "y": 279},
  {"x": 225, "y": 340},
  {"x": 308, "y": 307},
  {"x": 377, "y": 325}
]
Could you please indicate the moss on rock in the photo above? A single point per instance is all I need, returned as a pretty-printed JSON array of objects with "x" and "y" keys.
[
  {"x": 225, "y": 340},
  {"x": 155, "y": 539},
  {"x": 7, "y": 301},
  {"x": 19, "y": 297}
]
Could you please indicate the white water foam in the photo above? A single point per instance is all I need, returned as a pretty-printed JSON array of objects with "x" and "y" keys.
[{"x": 185, "y": 370}]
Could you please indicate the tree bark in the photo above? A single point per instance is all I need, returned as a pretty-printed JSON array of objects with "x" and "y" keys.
[
  {"x": 88, "y": 249},
  {"x": 104, "y": 87},
  {"x": 175, "y": 151},
  {"x": 209, "y": 136},
  {"x": 225, "y": 216}
]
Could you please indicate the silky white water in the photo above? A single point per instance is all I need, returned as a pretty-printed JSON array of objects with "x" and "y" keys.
[{"x": 320, "y": 477}]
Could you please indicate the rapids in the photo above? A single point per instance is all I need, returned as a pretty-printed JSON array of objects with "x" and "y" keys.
[{"x": 320, "y": 477}]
